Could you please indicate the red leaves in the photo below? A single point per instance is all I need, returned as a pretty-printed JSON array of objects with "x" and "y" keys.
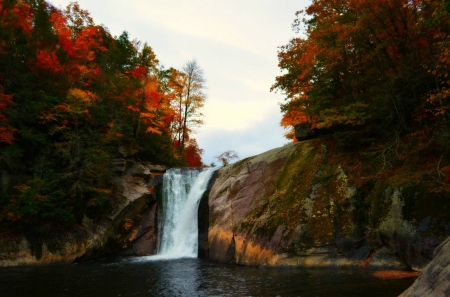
[
  {"x": 352, "y": 52},
  {"x": 5, "y": 101},
  {"x": 64, "y": 32},
  {"x": 20, "y": 16},
  {"x": 48, "y": 61},
  {"x": 6, "y": 131},
  {"x": 139, "y": 72},
  {"x": 446, "y": 170},
  {"x": 7, "y": 134},
  {"x": 192, "y": 154}
]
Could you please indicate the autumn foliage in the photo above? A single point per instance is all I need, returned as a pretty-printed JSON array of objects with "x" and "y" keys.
[
  {"x": 376, "y": 65},
  {"x": 71, "y": 94}
]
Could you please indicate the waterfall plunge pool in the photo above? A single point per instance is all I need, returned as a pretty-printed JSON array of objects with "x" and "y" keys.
[
  {"x": 176, "y": 272},
  {"x": 138, "y": 276}
]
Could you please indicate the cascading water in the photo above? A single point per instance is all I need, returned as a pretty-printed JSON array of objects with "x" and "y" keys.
[{"x": 178, "y": 229}]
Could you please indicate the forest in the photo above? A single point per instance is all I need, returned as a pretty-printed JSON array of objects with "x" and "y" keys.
[
  {"x": 71, "y": 96},
  {"x": 372, "y": 77}
]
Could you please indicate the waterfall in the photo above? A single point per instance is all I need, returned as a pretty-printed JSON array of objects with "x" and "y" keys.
[{"x": 178, "y": 228}]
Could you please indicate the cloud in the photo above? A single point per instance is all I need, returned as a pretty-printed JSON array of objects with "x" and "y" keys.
[
  {"x": 258, "y": 137},
  {"x": 234, "y": 41}
]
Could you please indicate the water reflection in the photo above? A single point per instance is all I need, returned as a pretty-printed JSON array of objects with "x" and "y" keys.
[{"x": 190, "y": 277}]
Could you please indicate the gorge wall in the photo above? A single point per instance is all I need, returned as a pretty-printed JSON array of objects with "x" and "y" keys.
[
  {"x": 130, "y": 225},
  {"x": 293, "y": 206}
]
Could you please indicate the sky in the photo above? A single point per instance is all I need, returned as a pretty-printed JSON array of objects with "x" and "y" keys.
[{"x": 234, "y": 41}]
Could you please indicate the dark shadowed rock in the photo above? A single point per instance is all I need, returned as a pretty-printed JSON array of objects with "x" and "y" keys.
[
  {"x": 130, "y": 224},
  {"x": 203, "y": 221},
  {"x": 303, "y": 132},
  {"x": 434, "y": 281},
  {"x": 144, "y": 237}
]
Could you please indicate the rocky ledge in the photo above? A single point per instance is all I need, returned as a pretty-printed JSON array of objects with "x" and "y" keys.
[
  {"x": 291, "y": 207},
  {"x": 130, "y": 226}
]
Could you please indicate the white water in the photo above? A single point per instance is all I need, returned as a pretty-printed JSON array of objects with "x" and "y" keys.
[{"x": 178, "y": 228}]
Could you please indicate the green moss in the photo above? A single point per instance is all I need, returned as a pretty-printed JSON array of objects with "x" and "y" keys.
[
  {"x": 239, "y": 164},
  {"x": 380, "y": 203},
  {"x": 292, "y": 185}
]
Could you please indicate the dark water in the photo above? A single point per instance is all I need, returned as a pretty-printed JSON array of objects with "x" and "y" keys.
[{"x": 190, "y": 277}]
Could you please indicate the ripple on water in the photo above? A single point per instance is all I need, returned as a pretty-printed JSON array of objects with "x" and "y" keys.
[{"x": 146, "y": 276}]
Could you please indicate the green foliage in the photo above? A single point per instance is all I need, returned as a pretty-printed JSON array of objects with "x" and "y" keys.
[
  {"x": 78, "y": 94},
  {"x": 365, "y": 65}
]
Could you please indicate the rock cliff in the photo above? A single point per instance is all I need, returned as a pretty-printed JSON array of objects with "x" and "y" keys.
[
  {"x": 293, "y": 206},
  {"x": 130, "y": 225}
]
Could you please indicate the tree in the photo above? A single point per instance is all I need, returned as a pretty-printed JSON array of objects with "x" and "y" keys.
[
  {"x": 360, "y": 64},
  {"x": 189, "y": 87},
  {"x": 226, "y": 157},
  {"x": 70, "y": 95},
  {"x": 192, "y": 154}
]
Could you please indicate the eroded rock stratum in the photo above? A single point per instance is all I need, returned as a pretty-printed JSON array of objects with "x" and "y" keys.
[
  {"x": 130, "y": 225},
  {"x": 293, "y": 206}
]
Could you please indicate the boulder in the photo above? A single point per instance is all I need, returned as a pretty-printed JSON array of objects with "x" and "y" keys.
[
  {"x": 434, "y": 281},
  {"x": 303, "y": 132}
]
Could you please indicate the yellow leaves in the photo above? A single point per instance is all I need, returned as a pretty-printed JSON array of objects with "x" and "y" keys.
[
  {"x": 80, "y": 97},
  {"x": 70, "y": 112}
]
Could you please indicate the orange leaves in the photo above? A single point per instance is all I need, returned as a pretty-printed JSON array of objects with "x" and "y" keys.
[
  {"x": 153, "y": 130},
  {"x": 356, "y": 58},
  {"x": 20, "y": 16},
  {"x": 395, "y": 274},
  {"x": 132, "y": 108}
]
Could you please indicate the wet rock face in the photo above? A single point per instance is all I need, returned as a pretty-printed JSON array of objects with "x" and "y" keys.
[
  {"x": 130, "y": 226},
  {"x": 144, "y": 236},
  {"x": 22, "y": 250},
  {"x": 434, "y": 281},
  {"x": 291, "y": 207}
]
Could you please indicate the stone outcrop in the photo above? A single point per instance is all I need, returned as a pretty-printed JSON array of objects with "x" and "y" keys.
[
  {"x": 434, "y": 280},
  {"x": 203, "y": 221},
  {"x": 130, "y": 225},
  {"x": 291, "y": 207},
  {"x": 303, "y": 132}
]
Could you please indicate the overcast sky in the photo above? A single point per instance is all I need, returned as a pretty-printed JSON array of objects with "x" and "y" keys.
[{"x": 236, "y": 44}]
